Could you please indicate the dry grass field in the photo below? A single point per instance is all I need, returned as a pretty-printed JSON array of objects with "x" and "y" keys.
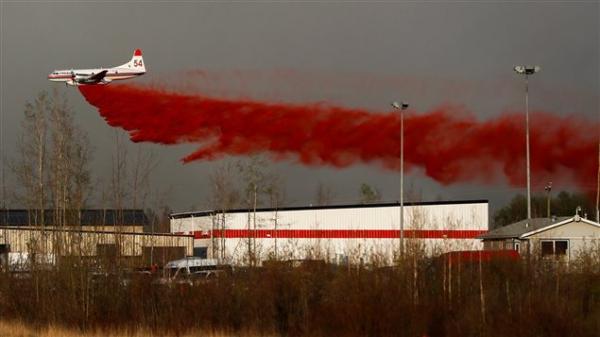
[
  {"x": 18, "y": 329},
  {"x": 419, "y": 296}
]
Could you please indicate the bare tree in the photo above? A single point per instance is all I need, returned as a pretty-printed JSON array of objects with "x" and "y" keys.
[
  {"x": 252, "y": 176},
  {"x": 81, "y": 173},
  {"x": 164, "y": 225},
  {"x": 144, "y": 164},
  {"x": 275, "y": 190},
  {"x": 158, "y": 210},
  {"x": 324, "y": 195},
  {"x": 69, "y": 176},
  {"x": 30, "y": 165},
  {"x": 368, "y": 194},
  {"x": 224, "y": 196},
  {"x": 118, "y": 180},
  {"x": 258, "y": 183},
  {"x": 52, "y": 165}
]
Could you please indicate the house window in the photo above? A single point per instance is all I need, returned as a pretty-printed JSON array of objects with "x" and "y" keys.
[
  {"x": 560, "y": 247},
  {"x": 555, "y": 247},
  {"x": 547, "y": 248}
]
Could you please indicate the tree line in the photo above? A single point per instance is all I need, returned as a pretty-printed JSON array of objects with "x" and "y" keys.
[
  {"x": 563, "y": 204},
  {"x": 52, "y": 169}
]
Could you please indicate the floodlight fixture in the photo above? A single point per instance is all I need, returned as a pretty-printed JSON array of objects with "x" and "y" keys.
[
  {"x": 527, "y": 70},
  {"x": 400, "y": 105}
]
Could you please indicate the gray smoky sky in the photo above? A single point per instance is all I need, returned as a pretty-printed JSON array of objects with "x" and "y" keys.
[{"x": 357, "y": 54}]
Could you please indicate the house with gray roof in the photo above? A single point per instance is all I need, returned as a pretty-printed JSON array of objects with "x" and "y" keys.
[{"x": 559, "y": 237}]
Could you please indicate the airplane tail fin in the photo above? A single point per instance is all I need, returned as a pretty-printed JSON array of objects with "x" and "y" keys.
[{"x": 137, "y": 62}]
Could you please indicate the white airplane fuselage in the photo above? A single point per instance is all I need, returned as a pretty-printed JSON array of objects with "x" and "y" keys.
[{"x": 100, "y": 76}]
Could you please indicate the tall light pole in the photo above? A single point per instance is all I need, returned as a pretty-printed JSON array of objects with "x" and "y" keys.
[
  {"x": 527, "y": 71},
  {"x": 598, "y": 187},
  {"x": 400, "y": 106},
  {"x": 548, "y": 190}
]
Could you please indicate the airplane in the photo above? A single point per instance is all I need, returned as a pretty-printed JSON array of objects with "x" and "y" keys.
[{"x": 74, "y": 77}]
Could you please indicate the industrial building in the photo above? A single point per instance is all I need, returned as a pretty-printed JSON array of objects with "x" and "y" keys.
[
  {"x": 104, "y": 234},
  {"x": 562, "y": 238},
  {"x": 337, "y": 233},
  {"x": 138, "y": 249},
  {"x": 126, "y": 220}
]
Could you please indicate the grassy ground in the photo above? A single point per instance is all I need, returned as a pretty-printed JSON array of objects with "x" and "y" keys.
[
  {"x": 419, "y": 296},
  {"x": 19, "y": 329}
]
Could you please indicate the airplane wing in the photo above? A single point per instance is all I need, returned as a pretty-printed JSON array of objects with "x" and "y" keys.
[{"x": 97, "y": 77}]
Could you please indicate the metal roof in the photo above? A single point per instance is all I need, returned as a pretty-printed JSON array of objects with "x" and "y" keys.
[
  {"x": 84, "y": 231},
  {"x": 576, "y": 218},
  {"x": 517, "y": 229},
  {"x": 89, "y": 217},
  {"x": 323, "y": 207}
]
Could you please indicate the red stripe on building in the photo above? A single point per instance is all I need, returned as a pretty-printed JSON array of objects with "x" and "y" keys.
[{"x": 340, "y": 234}]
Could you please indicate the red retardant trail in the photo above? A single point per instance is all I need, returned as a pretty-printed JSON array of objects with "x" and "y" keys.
[{"x": 448, "y": 143}]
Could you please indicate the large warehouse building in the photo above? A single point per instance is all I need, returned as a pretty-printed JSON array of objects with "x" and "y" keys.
[
  {"x": 97, "y": 234},
  {"x": 338, "y": 233}
]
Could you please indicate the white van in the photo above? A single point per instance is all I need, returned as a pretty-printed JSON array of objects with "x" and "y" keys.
[{"x": 185, "y": 267}]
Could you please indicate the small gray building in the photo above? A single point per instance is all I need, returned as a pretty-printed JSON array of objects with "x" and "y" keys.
[{"x": 558, "y": 237}]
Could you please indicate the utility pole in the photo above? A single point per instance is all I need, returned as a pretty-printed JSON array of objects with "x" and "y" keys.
[
  {"x": 527, "y": 71},
  {"x": 2, "y": 180},
  {"x": 598, "y": 187},
  {"x": 401, "y": 107},
  {"x": 254, "y": 227},
  {"x": 548, "y": 189}
]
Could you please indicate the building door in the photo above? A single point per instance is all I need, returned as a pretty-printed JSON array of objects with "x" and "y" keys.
[{"x": 4, "y": 250}]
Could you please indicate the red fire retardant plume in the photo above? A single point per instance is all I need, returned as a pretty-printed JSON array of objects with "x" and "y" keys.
[{"x": 447, "y": 143}]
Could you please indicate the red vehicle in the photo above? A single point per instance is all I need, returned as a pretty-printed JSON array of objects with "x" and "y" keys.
[{"x": 480, "y": 255}]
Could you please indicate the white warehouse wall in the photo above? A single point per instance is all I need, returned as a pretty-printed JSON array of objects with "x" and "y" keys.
[{"x": 355, "y": 231}]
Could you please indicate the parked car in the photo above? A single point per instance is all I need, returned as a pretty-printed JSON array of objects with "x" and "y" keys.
[
  {"x": 206, "y": 276},
  {"x": 190, "y": 271}
]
